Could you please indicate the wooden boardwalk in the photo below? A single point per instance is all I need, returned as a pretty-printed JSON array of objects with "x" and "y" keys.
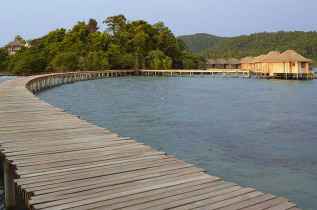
[{"x": 59, "y": 161}]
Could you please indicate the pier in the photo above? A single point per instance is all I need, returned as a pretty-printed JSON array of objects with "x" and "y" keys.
[
  {"x": 56, "y": 160},
  {"x": 228, "y": 73}
]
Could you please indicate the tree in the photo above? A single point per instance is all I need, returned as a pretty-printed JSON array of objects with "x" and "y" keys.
[
  {"x": 18, "y": 37},
  {"x": 167, "y": 43},
  {"x": 55, "y": 36},
  {"x": 26, "y": 61},
  {"x": 3, "y": 59},
  {"x": 94, "y": 61},
  {"x": 64, "y": 62},
  {"x": 79, "y": 32},
  {"x": 83, "y": 47},
  {"x": 157, "y": 60},
  {"x": 114, "y": 23},
  {"x": 190, "y": 60},
  {"x": 167, "y": 63},
  {"x": 92, "y": 25}
]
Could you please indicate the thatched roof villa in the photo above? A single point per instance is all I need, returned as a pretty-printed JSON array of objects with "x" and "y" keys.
[
  {"x": 289, "y": 62},
  {"x": 221, "y": 63},
  {"x": 210, "y": 64},
  {"x": 233, "y": 63},
  {"x": 247, "y": 63},
  {"x": 13, "y": 46},
  {"x": 275, "y": 63}
]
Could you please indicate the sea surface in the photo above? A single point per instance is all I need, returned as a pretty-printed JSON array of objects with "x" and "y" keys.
[{"x": 253, "y": 132}]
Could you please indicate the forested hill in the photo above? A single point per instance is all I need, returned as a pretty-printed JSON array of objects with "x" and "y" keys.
[
  {"x": 200, "y": 42},
  {"x": 304, "y": 43},
  {"x": 124, "y": 45}
]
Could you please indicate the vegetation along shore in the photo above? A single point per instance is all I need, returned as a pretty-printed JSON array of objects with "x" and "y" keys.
[{"x": 138, "y": 44}]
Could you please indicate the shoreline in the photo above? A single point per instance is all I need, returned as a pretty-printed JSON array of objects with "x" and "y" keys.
[{"x": 3, "y": 74}]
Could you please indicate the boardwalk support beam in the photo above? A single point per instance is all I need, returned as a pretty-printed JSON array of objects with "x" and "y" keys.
[{"x": 9, "y": 188}]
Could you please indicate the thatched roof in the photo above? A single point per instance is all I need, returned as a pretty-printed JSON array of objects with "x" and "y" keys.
[
  {"x": 233, "y": 61},
  {"x": 247, "y": 60},
  {"x": 271, "y": 56},
  {"x": 15, "y": 43},
  {"x": 221, "y": 61},
  {"x": 259, "y": 58},
  {"x": 290, "y": 56},
  {"x": 211, "y": 61}
]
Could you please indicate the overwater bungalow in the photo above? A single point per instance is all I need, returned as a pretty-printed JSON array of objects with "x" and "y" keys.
[
  {"x": 258, "y": 62},
  {"x": 268, "y": 60},
  {"x": 221, "y": 64},
  {"x": 210, "y": 64},
  {"x": 290, "y": 62},
  {"x": 247, "y": 63},
  {"x": 233, "y": 63}
]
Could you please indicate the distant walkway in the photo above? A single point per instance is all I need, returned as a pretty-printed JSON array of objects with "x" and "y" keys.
[{"x": 58, "y": 161}]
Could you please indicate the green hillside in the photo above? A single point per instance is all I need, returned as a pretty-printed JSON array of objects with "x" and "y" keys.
[
  {"x": 124, "y": 45},
  {"x": 200, "y": 42},
  {"x": 304, "y": 43}
]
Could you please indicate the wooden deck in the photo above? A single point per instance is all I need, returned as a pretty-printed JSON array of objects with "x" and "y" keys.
[
  {"x": 59, "y": 161},
  {"x": 225, "y": 73}
]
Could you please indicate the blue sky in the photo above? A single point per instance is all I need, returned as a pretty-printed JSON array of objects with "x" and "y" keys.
[{"x": 35, "y": 18}]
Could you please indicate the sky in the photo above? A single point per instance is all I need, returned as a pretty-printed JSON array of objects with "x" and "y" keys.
[{"x": 35, "y": 18}]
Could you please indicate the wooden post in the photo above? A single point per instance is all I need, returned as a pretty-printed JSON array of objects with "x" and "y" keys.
[{"x": 9, "y": 188}]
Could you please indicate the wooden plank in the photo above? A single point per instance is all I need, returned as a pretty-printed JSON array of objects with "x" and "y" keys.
[
  {"x": 283, "y": 206},
  {"x": 111, "y": 189},
  {"x": 72, "y": 177},
  {"x": 56, "y": 189},
  {"x": 116, "y": 195},
  {"x": 234, "y": 200},
  {"x": 212, "y": 197},
  {"x": 249, "y": 202},
  {"x": 156, "y": 195},
  {"x": 267, "y": 204}
]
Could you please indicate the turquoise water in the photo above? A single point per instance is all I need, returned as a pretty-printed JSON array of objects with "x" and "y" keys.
[{"x": 254, "y": 132}]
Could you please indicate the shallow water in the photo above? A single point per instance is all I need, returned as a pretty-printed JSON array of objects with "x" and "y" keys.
[{"x": 256, "y": 133}]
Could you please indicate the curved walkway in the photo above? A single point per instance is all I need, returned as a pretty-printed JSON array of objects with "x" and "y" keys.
[{"x": 59, "y": 161}]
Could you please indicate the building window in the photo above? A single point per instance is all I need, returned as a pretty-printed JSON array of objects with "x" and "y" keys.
[{"x": 303, "y": 65}]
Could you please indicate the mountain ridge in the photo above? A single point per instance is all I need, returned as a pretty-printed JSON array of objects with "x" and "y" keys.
[{"x": 305, "y": 43}]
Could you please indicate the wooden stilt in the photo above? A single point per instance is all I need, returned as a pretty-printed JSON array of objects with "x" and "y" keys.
[{"x": 9, "y": 188}]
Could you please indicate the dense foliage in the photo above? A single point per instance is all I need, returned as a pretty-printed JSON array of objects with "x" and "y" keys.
[
  {"x": 304, "y": 43},
  {"x": 124, "y": 45},
  {"x": 200, "y": 42}
]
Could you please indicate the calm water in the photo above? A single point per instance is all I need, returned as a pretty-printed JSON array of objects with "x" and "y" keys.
[{"x": 256, "y": 133}]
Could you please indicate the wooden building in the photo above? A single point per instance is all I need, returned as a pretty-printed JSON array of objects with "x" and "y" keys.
[
  {"x": 268, "y": 60},
  {"x": 221, "y": 64},
  {"x": 13, "y": 46},
  {"x": 247, "y": 63},
  {"x": 233, "y": 63},
  {"x": 289, "y": 62},
  {"x": 210, "y": 64},
  {"x": 258, "y": 65}
]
